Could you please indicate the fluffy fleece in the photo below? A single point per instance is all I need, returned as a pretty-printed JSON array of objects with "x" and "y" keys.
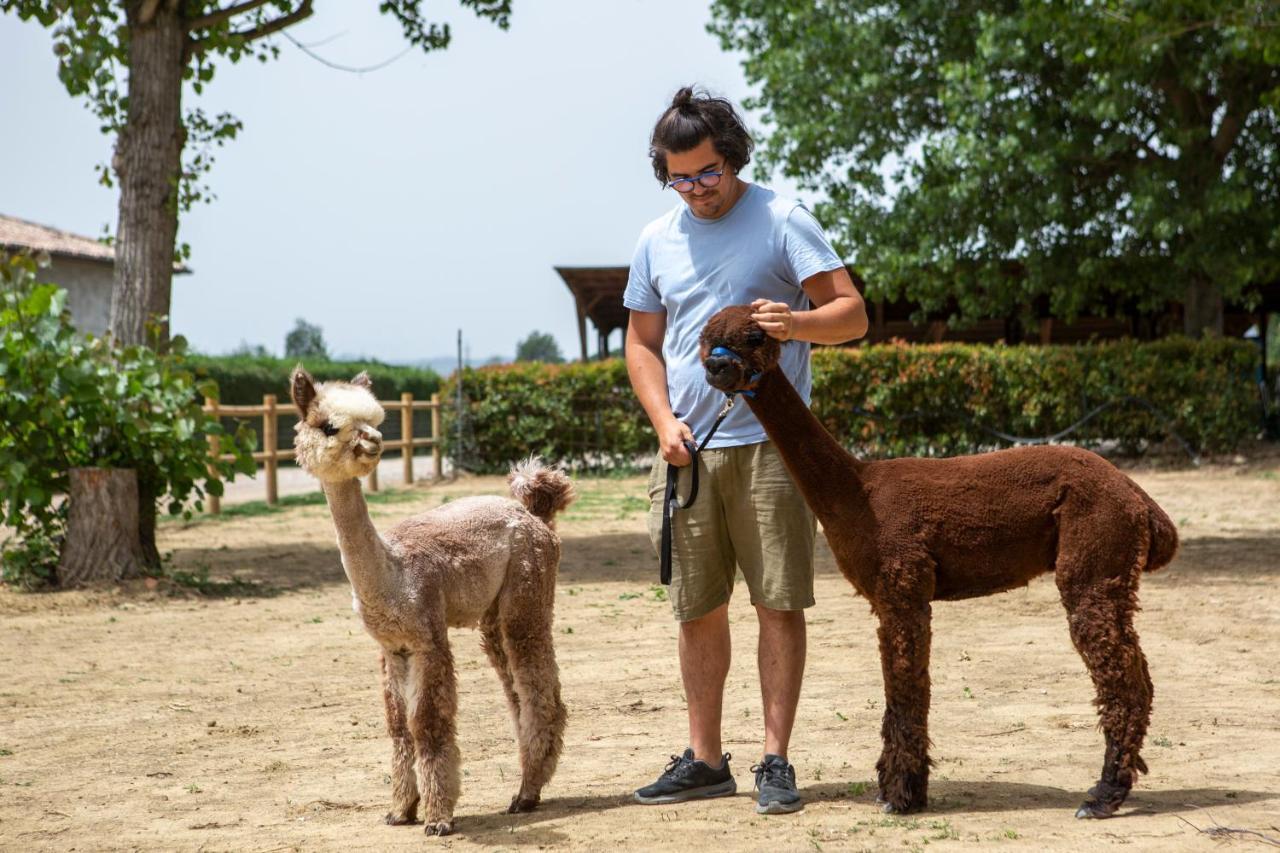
[{"x": 479, "y": 562}]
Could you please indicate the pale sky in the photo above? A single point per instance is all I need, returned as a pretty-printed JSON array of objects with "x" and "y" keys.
[{"x": 395, "y": 207}]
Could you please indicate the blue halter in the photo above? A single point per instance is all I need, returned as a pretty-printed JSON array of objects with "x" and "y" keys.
[{"x": 725, "y": 352}]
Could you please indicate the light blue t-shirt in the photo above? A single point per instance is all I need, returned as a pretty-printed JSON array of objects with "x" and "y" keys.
[{"x": 690, "y": 268}]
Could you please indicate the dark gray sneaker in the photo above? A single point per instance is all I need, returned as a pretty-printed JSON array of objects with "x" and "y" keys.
[
  {"x": 689, "y": 779},
  {"x": 776, "y": 782}
]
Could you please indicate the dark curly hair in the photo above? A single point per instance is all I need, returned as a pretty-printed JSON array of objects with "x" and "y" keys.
[{"x": 692, "y": 117}]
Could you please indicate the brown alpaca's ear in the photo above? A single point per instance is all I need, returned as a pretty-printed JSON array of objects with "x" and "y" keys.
[
  {"x": 362, "y": 380},
  {"x": 302, "y": 388}
]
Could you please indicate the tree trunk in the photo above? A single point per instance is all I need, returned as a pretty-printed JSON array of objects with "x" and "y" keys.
[
  {"x": 148, "y": 163},
  {"x": 1202, "y": 308},
  {"x": 147, "y": 498},
  {"x": 102, "y": 543}
]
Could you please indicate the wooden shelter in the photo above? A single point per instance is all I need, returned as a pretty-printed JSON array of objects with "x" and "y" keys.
[{"x": 597, "y": 295}]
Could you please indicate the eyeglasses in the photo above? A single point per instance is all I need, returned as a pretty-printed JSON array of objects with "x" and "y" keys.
[{"x": 685, "y": 185}]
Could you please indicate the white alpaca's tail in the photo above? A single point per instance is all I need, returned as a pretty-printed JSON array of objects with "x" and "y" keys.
[{"x": 543, "y": 490}]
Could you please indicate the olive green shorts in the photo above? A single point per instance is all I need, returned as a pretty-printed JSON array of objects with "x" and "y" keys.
[{"x": 748, "y": 515}]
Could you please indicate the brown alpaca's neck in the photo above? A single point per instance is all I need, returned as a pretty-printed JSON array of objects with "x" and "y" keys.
[
  {"x": 826, "y": 474},
  {"x": 364, "y": 554}
]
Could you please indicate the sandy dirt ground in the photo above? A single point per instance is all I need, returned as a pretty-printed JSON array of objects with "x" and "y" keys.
[{"x": 240, "y": 710}]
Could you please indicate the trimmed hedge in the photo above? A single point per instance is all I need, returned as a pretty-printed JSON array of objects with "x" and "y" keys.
[
  {"x": 243, "y": 380},
  {"x": 889, "y": 400},
  {"x": 583, "y": 414},
  {"x": 899, "y": 400}
]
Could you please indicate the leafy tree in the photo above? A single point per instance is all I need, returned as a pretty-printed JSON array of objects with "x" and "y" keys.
[
  {"x": 305, "y": 341},
  {"x": 68, "y": 401},
  {"x": 539, "y": 346},
  {"x": 131, "y": 60},
  {"x": 978, "y": 157}
]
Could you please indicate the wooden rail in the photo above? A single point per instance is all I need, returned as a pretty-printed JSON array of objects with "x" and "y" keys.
[{"x": 270, "y": 455}]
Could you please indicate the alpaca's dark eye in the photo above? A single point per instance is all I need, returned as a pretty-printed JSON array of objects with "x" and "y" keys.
[
  {"x": 755, "y": 337},
  {"x": 328, "y": 428}
]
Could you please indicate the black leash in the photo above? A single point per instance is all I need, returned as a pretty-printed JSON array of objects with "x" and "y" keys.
[{"x": 671, "y": 498}]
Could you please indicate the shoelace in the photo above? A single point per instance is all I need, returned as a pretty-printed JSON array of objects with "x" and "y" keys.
[
  {"x": 679, "y": 765},
  {"x": 770, "y": 773}
]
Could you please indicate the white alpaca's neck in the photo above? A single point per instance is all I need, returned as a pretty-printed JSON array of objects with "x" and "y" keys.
[{"x": 364, "y": 555}]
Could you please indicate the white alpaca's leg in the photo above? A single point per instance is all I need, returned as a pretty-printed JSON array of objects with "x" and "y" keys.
[
  {"x": 491, "y": 641},
  {"x": 530, "y": 651},
  {"x": 404, "y": 784},
  {"x": 432, "y": 702}
]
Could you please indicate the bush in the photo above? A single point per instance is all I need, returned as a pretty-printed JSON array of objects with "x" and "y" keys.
[
  {"x": 890, "y": 400},
  {"x": 244, "y": 379},
  {"x": 69, "y": 401},
  {"x": 943, "y": 399},
  {"x": 583, "y": 414}
]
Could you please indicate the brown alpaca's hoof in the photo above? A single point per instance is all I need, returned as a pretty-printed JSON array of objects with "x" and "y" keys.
[
  {"x": 1104, "y": 801},
  {"x": 394, "y": 819},
  {"x": 439, "y": 827},
  {"x": 904, "y": 794},
  {"x": 521, "y": 804}
]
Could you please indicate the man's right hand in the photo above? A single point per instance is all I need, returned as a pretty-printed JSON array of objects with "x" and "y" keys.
[{"x": 671, "y": 438}]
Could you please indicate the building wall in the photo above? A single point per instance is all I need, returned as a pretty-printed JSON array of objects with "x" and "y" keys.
[{"x": 88, "y": 285}]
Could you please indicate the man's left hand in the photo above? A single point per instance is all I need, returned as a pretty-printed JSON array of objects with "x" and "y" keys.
[{"x": 774, "y": 317}]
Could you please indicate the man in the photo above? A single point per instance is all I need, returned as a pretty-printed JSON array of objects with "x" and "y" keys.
[{"x": 730, "y": 242}]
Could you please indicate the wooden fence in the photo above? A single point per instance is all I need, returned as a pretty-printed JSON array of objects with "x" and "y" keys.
[{"x": 271, "y": 455}]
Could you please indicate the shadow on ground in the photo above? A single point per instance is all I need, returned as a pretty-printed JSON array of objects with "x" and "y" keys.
[
  {"x": 629, "y": 558},
  {"x": 958, "y": 795}
]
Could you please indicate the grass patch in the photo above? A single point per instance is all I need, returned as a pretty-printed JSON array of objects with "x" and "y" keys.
[
  {"x": 255, "y": 509},
  {"x": 200, "y": 582}
]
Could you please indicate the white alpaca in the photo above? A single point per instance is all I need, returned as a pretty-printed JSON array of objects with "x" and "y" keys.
[{"x": 486, "y": 561}]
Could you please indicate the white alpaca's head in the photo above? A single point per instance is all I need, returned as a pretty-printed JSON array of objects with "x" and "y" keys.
[{"x": 336, "y": 437}]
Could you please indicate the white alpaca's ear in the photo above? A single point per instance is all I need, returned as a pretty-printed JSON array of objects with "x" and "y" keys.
[
  {"x": 302, "y": 388},
  {"x": 362, "y": 380}
]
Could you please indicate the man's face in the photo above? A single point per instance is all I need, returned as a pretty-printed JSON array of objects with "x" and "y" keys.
[{"x": 705, "y": 202}]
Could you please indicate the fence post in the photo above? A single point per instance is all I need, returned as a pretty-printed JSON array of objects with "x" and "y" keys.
[
  {"x": 269, "y": 442},
  {"x": 215, "y": 450},
  {"x": 406, "y": 435},
  {"x": 436, "y": 461}
]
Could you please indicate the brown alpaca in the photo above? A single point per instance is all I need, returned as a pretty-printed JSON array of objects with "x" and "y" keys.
[
  {"x": 906, "y": 532},
  {"x": 481, "y": 561}
]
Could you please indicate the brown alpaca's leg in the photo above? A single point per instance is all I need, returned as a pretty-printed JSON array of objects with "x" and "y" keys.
[
  {"x": 1101, "y": 623},
  {"x": 903, "y": 768},
  {"x": 432, "y": 700},
  {"x": 404, "y": 784},
  {"x": 540, "y": 726}
]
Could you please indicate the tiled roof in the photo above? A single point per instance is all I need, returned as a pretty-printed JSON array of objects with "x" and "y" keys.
[{"x": 20, "y": 234}]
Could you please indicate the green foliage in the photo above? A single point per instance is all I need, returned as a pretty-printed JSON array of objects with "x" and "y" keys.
[
  {"x": 943, "y": 399},
  {"x": 978, "y": 158},
  {"x": 305, "y": 341},
  {"x": 70, "y": 401},
  {"x": 539, "y": 346},
  {"x": 244, "y": 379},
  {"x": 889, "y": 400},
  {"x": 583, "y": 414}
]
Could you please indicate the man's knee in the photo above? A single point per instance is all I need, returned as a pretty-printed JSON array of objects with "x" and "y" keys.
[{"x": 780, "y": 618}]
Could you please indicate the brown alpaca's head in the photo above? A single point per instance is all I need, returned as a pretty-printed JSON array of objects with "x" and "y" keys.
[
  {"x": 336, "y": 437},
  {"x": 735, "y": 350}
]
